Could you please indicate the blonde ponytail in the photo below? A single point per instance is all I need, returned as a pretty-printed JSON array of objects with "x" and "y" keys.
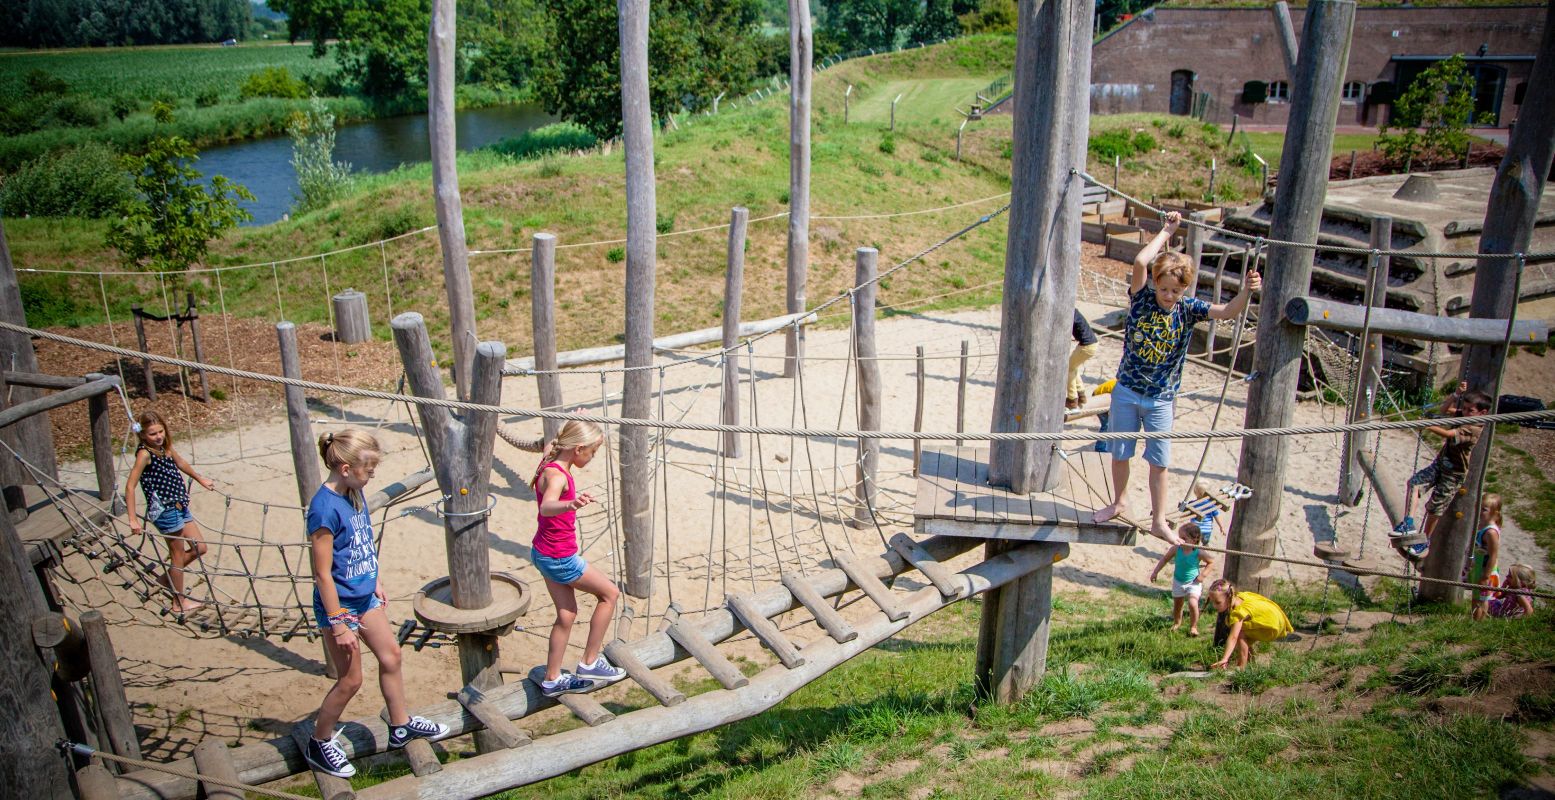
[{"x": 576, "y": 433}]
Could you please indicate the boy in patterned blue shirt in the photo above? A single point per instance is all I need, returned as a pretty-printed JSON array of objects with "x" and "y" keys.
[{"x": 1161, "y": 316}]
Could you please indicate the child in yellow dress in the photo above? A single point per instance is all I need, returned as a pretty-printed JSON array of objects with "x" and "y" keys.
[{"x": 1251, "y": 617}]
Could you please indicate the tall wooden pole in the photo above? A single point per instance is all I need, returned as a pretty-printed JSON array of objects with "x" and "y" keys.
[
  {"x": 866, "y": 474},
  {"x": 1013, "y": 631},
  {"x": 32, "y": 438},
  {"x": 305, "y": 452},
  {"x": 542, "y": 306},
  {"x": 1370, "y": 374},
  {"x": 641, "y": 204},
  {"x": 30, "y": 724},
  {"x": 1509, "y": 223},
  {"x": 1298, "y": 208},
  {"x": 461, "y": 457},
  {"x": 734, "y": 287},
  {"x": 441, "y": 47},
  {"x": 800, "y": 55},
  {"x": 1042, "y": 259},
  {"x": 1285, "y": 33}
]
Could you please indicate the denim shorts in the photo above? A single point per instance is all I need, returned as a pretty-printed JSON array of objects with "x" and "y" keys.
[
  {"x": 565, "y": 570},
  {"x": 358, "y": 607},
  {"x": 172, "y": 519},
  {"x": 1132, "y": 411}
]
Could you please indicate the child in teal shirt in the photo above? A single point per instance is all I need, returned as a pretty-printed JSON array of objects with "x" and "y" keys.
[{"x": 1188, "y": 562}]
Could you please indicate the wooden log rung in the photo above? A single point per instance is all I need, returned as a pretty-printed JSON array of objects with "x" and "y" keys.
[
  {"x": 827, "y": 617},
  {"x": 871, "y": 586},
  {"x": 587, "y": 709},
  {"x": 622, "y": 656},
  {"x": 744, "y": 609},
  {"x": 507, "y": 732},
  {"x": 690, "y": 637},
  {"x": 330, "y": 787},
  {"x": 938, "y": 574}
]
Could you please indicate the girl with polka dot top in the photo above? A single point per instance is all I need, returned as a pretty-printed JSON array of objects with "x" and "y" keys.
[{"x": 159, "y": 470}]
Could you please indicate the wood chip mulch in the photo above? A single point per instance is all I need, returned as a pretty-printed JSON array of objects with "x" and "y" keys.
[
  {"x": 1373, "y": 162},
  {"x": 246, "y": 344}
]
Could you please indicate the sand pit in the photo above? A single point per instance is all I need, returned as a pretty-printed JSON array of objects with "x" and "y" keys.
[{"x": 713, "y": 536}]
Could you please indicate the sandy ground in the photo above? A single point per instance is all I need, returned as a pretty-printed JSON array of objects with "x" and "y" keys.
[{"x": 714, "y": 536}]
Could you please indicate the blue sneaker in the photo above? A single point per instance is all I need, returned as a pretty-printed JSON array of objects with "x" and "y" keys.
[
  {"x": 1404, "y": 528},
  {"x": 415, "y": 728},
  {"x": 566, "y": 684},
  {"x": 328, "y": 757},
  {"x": 1418, "y": 551},
  {"x": 601, "y": 671}
]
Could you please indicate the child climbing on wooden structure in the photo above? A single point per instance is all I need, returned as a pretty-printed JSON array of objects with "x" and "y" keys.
[
  {"x": 159, "y": 470},
  {"x": 1444, "y": 475}
]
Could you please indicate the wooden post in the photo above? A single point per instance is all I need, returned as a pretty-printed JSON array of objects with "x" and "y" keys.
[
  {"x": 1212, "y": 179},
  {"x": 102, "y": 441},
  {"x": 734, "y": 287},
  {"x": 29, "y": 765},
  {"x": 917, "y": 417},
  {"x": 108, "y": 686},
  {"x": 192, "y": 311},
  {"x": 1215, "y": 291},
  {"x": 352, "y": 324},
  {"x": 461, "y": 456},
  {"x": 1369, "y": 376},
  {"x": 1509, "y": 224},
  {"x": 1351, "y": 176},
  {"x": 33, "y": 439},
  {"x": 961, "y": 391},
  {"x": 542, "y": 305},
  {"x": 800, "y": 55},
  {"x": 95, "y": 782},
  {"x": 145, "y": 363},
  {"x": 1042, "y": 259},
  {"x": 866, "y": 487},
  {"x": 212, "y": 760},
  {"x": 441, "y": 47},
  {"x": 1298, "y": 208},
  {"x": 305, "y": 448},
  {"x": 1285, "y": 32},
  {"x": 641, "y": 202},
  {"x": 1013, "y": 632}
]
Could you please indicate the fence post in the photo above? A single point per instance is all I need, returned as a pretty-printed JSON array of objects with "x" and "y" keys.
[
  {"x": 1364, "y": 399},
  {"x": 961, "y": 392},
  {"x": 542, "y": 305},
  {"x": 734, "y": 287},
  {"x": 867, "y": 470},
  {"x": 917, "y": 417},
  {"x": 102, "y": 443},
  {"x": 193, "y": 314},
  {"x": 145, "y": 363}
]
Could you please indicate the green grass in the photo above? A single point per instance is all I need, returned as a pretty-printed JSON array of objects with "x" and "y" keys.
[
  {"x": 923, "y": 99},
  {"x": 1269, "y": 145},
  {"x": 904, "y": 716},
  {"x": 182, "y": 71}
]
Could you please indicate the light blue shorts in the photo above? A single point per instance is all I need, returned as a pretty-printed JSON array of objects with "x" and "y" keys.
[
  {"x": 565, "y": 570},
  {"x": 357, "y": 607},
  {"x": 173, "y": 519},
  {"x": 1132, "y": 411}
]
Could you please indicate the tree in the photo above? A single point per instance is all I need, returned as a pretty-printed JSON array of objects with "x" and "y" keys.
[
  {"x": 321, "y": 179},
  {"x": 170, "y": 221},
  {"x": 990, "y": 16},
  {"x": 382, "y": 43},
  {"x": 1432, "y": 116},
  {"x": 697, "y": 49},
  {"x": 879, "y": 24},
  {"x": 938, "y": 22}
]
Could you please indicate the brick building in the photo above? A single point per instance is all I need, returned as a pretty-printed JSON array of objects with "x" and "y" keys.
[{"x": 1169, "y": 57}]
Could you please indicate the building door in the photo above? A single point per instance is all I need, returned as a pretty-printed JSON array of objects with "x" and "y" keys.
[
  {"x": 1488, "y": 83},
  {"x": 1182, "y": 92}
]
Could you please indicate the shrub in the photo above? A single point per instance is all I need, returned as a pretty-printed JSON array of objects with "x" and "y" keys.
[
  {"x": 1143, "y": 142},
  {"x": 273, "y": 82},
  {"x": 85, "y": 181},
  {"x": 79, "y": 111},
  {"x": 207, "y": 97},
  {"x": 1432, "y": 115},
  {"x": 399, "y": 220},
  {"x": 615, "y": 255},
  {"x": 1177, "y": 131},
  {"x": 888, "y": 144},
  {"x": 560, "y": 136},
  {"x": 321, "y": 179},
  {"x": 1108, "y": 145},
  {"x": 665, "y": 223},
  {"x": 122, "y": 106}
]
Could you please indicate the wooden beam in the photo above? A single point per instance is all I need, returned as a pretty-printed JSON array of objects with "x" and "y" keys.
[
  {"x": 388, "y": 494},
  {"x": 827, "y": 617},
  {"x": 620, "y": 654},
  {"x": 102, "y": 442},
  {"x": 1012, "y": 637},
  {"x": 801, "y": 55},
  {"x": 706, "y": 653},
  {"x": 108, "y": 686},
  {"x": 213, "y": 761},
  {"x": 764, "y": 629},
  {"x": 1277, "y": 354},
  {"x": 31, "y": 724},
  {"x": 569, "y": 750},
  {"x": 65, "y": 397},
  {"x": 441, "y": 47},
  {"x": 305, "y": 449},
  {"x": 1510, "y": 218},
  {"x": 943, "y": 578},
  {"x": 474, "y": 700},
  {"x": 641, "y": 244},
  {"x": 1042, "y": 256},
  {"x": 38, "y": 380},
  {"x": 1285, "y": 33},
  {"x": 542, "y": 307},
  {"x": 1318, "y": 312},
  {"x": 866, "y": 581},
  {"x": 1369, "y": 377},
  {"x": 734, "y": 288},
  {"x": 866, "y": 473}
]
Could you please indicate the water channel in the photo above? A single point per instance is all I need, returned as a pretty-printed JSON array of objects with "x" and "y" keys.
[{"x": 379, "y": 145}]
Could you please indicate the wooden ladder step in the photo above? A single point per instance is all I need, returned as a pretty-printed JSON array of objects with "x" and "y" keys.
[
  {"x": 622, "y": 656},
  {"x": 330, "y": 787},
  {"x": 582, "y": 706},
  {"x": 1329, "y": 551},
  {"x": 825, "y": 616},
  {"x": 506, "y": 731},
  {"x": 871, "y": 585},
  {"x": 938, "y": 574},
  {"x": 701, "y": 648},
  {"x": 766, "y": 630},
  {"x": 418, "y": 752}
]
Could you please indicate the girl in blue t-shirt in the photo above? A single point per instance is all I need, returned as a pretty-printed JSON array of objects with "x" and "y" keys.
[
  {"x": 1161, "y": 316},
  {"x": 348, "y": 603},
  {"x": 1188, "y": 565}
]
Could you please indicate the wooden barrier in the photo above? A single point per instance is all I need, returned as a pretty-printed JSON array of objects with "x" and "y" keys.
[
  {"x": 866, "y": 472},
  {"x": 734, "y": 287},
  {"x": 108, "y": 687},
  {"x": 352, "y": 324},
  {"x": 542, "y": 305},
  {"x": 1331, "y": 315}
]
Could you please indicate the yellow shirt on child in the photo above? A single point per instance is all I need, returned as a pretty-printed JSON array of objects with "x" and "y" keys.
[{"x": 1262, "y": 619}]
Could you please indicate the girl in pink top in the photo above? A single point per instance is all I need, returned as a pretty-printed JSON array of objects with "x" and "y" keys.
[{"x": 555, "y": 555}]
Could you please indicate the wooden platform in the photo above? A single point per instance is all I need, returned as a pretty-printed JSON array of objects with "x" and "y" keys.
[
  {"x": 46, "y": 525},
  {"x": 954, "y": 499}
]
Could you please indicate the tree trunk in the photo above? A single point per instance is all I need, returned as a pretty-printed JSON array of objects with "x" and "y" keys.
[{"x": 441, "y": 47}]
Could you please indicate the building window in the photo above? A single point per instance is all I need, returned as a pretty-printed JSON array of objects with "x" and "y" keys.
[
  {"x": 1354, "y": 91},
  {"x": 1279, "y": 92}
]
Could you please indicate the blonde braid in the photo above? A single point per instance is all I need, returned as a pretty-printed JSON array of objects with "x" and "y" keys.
[{"x": 552, "y": 449}]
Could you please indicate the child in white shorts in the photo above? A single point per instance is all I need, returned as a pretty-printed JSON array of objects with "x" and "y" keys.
[{"x": 1188, "y": 563}]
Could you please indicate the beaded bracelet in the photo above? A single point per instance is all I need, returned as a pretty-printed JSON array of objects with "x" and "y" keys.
[{"x": 343, "y": 618}]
